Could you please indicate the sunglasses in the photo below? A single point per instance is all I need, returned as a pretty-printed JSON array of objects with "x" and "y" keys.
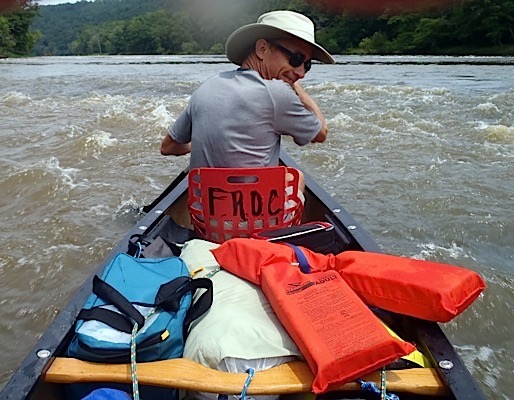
[{"x": 295, "y": 59}]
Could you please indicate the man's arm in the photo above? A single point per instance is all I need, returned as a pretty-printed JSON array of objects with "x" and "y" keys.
[
  {"x": 169, "y": 147},
  {"x": 311, "y": 105}
]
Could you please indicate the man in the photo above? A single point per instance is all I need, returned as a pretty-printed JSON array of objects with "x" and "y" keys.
[{"x": 236, "y": 118}]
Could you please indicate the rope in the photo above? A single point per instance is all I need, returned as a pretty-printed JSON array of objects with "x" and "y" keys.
[
  {"x": 383, "y": 392},
  {"x": 213, "y": 272},
  {"x": 133, "y": 368},
  {"x": 139, "y": 250},
  {"x": 251, "y": 373},
  {"x": 242, "y": 396},
  {"x": 372, "y": 387}
]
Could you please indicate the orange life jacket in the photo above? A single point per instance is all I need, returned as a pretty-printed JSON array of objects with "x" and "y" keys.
[
  {"x": 339, "y": 336},
  {"x": 423, "y": 289},
  {"x": 418, "y": 288}
]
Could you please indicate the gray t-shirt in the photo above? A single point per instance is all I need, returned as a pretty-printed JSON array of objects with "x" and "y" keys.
[{"x": 235, "y": 119}]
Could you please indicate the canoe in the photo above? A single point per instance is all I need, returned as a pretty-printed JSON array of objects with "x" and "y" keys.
[{"x": 45, "y": 373}]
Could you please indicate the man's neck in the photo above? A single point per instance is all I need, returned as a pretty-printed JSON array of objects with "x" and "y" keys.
[{"x": 255, "y": 63}]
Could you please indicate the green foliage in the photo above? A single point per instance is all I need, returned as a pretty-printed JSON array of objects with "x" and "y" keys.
[
  {"x": 16, "y": 39},
  {"x": 202, "y": 27},
  {"x": 375, "y": 44},
  {"x": 470, "y": 27},
  {"x": 62, "y": 24},
  {"x": 158, "y": 32},
  {"x": 492, "y": 24},
  {"x": 7, "y": 41},
  {"x": 217, "y": 48}
]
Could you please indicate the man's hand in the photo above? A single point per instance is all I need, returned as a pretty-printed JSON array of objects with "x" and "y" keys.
[{"x": 169, "y": 147}]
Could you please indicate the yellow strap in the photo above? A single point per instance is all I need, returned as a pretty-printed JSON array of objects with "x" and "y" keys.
[
  {"x": 416, "y": 356},
  {"x": 196, "y": 271}
]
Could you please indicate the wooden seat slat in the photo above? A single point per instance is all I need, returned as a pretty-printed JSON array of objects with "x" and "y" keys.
[{"x": 294, "y": 377}]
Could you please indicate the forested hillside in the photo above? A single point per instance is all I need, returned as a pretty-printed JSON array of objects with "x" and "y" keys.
[
  {"x": 481, "y": 27},
  {"x": 61, "y": 24}
]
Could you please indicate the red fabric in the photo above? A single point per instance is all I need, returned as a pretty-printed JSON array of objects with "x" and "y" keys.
[
  {"x": 246, "y": 257},
  {"x": 339, "y": 336},
  {"x": 422, "y": 289}
]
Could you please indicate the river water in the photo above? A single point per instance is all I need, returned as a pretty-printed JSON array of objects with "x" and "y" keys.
[{"x": 421, "y": 152}]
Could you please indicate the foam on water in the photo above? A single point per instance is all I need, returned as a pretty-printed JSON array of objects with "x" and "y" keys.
[
  {"x": 42, "y": 182},
  {"x": 98, "y": 141},
  {"x": 500, "y": 134},
  {"x": 64, "y": 175},
  {"x": 431, "y": 251},
  {"x": 14, "y": 99},
  {"x": 488, "y": 109},
  {"x": 162, "y": 116},
  {"x": 486, "y": 361},
  {"x": 127, "y": 206}
]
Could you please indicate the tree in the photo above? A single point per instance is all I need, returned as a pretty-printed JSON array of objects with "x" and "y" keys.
[
  {"x": 171, "y": 30},
  {"x": 16, "y": 39},
  {"x": 375, "y": 44},
  {"x": 159, "y": 32},
  {"x": 7, "y": 41}
]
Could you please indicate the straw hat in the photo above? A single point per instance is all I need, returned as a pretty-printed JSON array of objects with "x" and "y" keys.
[{"x": 274, "y": 25}]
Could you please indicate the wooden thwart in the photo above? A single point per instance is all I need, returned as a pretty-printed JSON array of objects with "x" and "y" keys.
[{"x": 293, "y": 377}]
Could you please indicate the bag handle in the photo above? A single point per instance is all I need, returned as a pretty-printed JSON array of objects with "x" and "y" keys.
[
  {"x": 170, "y": 294},
  {"x": 110, "y": 295},
  {"x": 202, "y": 305},
  {"x": 108, "y": 317},
  {"x": 168, "y": 297}
]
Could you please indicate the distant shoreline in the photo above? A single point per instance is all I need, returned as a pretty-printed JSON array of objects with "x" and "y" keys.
[{"x": 341, "y": 59}]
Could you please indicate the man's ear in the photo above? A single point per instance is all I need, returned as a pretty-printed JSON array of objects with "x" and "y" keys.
[{"x": 261, "y": 47}]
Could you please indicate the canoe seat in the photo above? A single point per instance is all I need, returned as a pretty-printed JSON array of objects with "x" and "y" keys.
[
  {"x": 236, "y": 202},
  {"x": 180, "y": 373}
]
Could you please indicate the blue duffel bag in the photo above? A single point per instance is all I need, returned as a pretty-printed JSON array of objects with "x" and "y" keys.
[{"x": 148, "y": 301}]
